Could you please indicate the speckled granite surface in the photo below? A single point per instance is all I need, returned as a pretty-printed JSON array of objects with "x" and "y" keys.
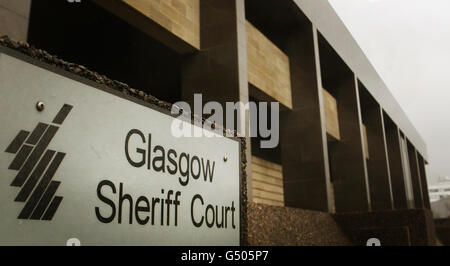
[
  {"x": 399, "y": 227},
  {"x": 283, "y": 226},
  {"x": 270, "y": 225}
]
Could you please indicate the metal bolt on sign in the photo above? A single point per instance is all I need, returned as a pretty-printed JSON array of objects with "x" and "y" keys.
[{"x": 40, "y": 106}]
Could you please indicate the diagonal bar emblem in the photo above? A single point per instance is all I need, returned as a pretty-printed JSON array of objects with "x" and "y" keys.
[{"x": 36, "y": 166}]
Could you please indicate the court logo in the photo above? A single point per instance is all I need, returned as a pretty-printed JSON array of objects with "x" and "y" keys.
[{"x": 36, "y": 166}]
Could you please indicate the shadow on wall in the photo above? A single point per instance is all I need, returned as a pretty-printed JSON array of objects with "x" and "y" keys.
[
  {"x": 408, "y": 227},
  {"x": 443, "y": 230},
  {"x": 89, "y": 35}
]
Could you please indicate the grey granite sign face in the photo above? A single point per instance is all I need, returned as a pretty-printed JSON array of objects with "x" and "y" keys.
[{"x": 78, "y": 162}]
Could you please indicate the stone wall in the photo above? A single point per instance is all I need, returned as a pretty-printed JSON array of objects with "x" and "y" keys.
[
  {"x": 283, "y": 226},
  {"x": 273, "y": 225},
  {"x": 413, "y": 227}
]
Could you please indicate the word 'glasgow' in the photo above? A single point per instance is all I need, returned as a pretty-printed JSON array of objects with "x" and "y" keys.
[{"x": 161, "y": 161}]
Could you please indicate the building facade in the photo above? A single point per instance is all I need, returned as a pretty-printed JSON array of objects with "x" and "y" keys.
[
  {"x": 440, "y": 190},
  {"x": 346, "y": 147}
]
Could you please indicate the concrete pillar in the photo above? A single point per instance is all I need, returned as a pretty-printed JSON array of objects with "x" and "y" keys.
[
  {"x": 395, "y": 163},
  {"x": 348, "y": 164},
  {"x": 219, "y": 70},
  {"x": 14, "y": 17},
  {"x": 377, "y": 164},
  {"x": 415, "y": 176},
  {"x": 302, "y": 129}
]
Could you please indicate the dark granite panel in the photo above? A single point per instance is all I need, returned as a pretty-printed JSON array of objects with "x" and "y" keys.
[
  {"x": 377, "y": 164},
  {"x": 217, "y": 19},
  {"x": 419, "y": 223},
  {"x": 423, "y": 181},
  {"x": 415, "y": 176},
  {"x": 303, "y": 150},
  {"x": 108, "y": 44},
  {"x": 347, "y": 162},
  {"x": 306, "y": 193},
  {"x": 395, "y": 163},
  {"x": 395, "y": 236}
]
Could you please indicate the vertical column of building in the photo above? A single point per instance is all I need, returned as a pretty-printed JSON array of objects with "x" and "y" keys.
[
  {"x": 14, "y": 16},
  {"x": 302, "y": 129},
  {"x": 415, "y": 176},
  {"x": 378, "y": 164},
  {"x": 377, "y": 161},
  {"x": 347, "y": 155},
  {"x": 423, "y": 180},
  {"x": 219, "y": 70},
  {"x": 395, "y": 163}
]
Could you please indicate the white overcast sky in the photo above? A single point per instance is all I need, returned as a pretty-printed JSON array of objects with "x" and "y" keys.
[{"x": 408, "y": 42}]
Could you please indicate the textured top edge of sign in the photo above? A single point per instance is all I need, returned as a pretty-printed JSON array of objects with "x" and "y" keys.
[
  {"x": 83, "y": 72},
  {"x": 19, "y": 48}
]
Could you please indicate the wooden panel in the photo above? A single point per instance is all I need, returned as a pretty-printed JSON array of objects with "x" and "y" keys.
[
  {"x": 268, "y": 67},
  {"x": 366, "y": 143},
  {"x": 331, "y": 115},
  {"x": 267, "y": 182}
]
